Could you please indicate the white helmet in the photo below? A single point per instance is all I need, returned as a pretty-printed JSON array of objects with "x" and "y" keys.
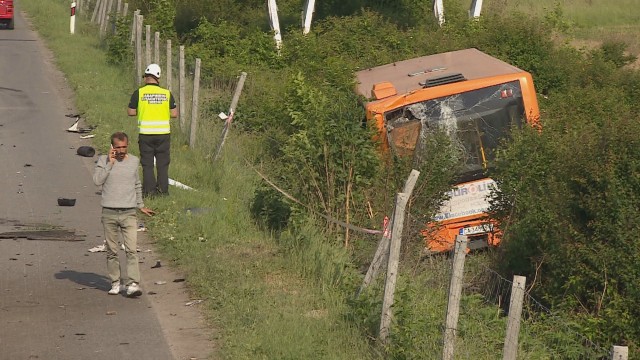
[{"x": 153, "y": 70}]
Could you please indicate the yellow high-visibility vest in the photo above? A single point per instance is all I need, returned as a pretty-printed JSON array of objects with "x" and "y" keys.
[{"x": 153, "y": 110}]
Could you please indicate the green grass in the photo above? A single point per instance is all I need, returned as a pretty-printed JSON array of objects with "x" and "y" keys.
[
  {"x": 257, "y": 300},
  {"x": 592, "y": 21},
  {"x": 584, "y": 13}
]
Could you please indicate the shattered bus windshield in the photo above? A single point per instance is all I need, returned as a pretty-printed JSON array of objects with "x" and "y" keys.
[{"x": 476, "y": 121}]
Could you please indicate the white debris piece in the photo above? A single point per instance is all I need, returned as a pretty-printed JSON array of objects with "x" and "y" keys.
[{"x": 179, "y": 185}]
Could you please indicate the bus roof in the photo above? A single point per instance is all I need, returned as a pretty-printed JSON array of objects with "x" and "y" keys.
[{"x": 471, "y": 63}]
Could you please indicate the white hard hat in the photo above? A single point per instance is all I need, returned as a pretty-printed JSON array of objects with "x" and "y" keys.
[{"x": 153, "y": 70}]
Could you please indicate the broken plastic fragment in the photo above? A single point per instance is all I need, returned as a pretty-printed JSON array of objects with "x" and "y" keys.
[{"x": 193, "y": 302}]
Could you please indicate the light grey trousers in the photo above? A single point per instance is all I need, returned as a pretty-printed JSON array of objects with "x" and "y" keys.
[{"x": 116, "y": 222}]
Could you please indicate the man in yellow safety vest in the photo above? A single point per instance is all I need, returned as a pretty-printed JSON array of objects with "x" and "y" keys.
[{"x": 154, "y": 106}]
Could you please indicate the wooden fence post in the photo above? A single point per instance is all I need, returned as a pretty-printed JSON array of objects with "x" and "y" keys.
[
  {"x": 182, "y": 79},
  {"x": 232, "y": 112},
  {"x": 103, "y": 9},
  {"x": 620, "y": 353},
  {"x": 156, "y": 47},
  {"x": 169, "y": 66},
  {"x": 138, "y": 32},
  {"x": 103, "y": 5},
  {"x": 392, "y": 265},
  {"x": 383, "y": 245},
  {"x": 125, "y": 10},
  {"x": 95, "y": 11},
  {"x": 194, "y": 106},
  {"x": 107, "y": 18},
  {"x": 147, "y": 44},
  {"x": 515, "y": 313},
  {"x": 133, "y": 26},
  {"x": 455, "y": 292}
]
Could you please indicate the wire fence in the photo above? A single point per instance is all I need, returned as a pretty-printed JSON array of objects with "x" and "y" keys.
[{"x": 483, "y": 320}]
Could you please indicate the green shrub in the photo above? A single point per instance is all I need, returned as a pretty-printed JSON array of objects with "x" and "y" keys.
[
  {"x": 570, "y": 224},
  {"x": 119, "y": 49},
  {"x": 269, "y": 209}
]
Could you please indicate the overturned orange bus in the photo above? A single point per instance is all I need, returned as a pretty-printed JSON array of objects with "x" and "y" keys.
[{"x": 476, "y": 99}]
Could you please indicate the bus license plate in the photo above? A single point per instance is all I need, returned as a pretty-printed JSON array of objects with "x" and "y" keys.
[{"x": 478, "y": 229}]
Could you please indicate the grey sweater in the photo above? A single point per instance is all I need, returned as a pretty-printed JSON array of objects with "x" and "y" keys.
[{"x": 121, "y": 186}]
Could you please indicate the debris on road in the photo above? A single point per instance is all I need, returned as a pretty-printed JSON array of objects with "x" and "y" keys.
[
  {"x": 66, "y": 202},
  {"x": 111, "y": 312},
  {"x": 157, "y": 265},
  {"x": 193, "y": 302},
  {"x": 75, "y": 128},
  {"x": 159, "y": 282},
  {"x": 86, "y": 151},
  {"x": 103, "y": 248}
]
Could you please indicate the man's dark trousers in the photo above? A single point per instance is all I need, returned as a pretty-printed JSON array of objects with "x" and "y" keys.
[{"x": 155, "y": 146}]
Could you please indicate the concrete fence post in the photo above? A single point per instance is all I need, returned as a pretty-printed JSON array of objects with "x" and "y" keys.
[
  {"x": 620, "y": 353},
  {"x": 392, "y": 266},
  {"x": 194, "y": 106},
  {"x": 515, "y": 313},
  {"x": 169, "y": 66},
  {"x": 382, "y": 252},
  {"x": 183, "y": 86},
  {"x": 455, "y": 293}
]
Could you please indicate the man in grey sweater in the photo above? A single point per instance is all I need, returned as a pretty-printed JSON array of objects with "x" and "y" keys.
[{"x": 117, "y": 173}]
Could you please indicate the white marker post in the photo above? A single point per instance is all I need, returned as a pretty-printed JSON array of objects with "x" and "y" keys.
[
  {"x": 275, "y": 23},
  {"x": 72, "y": 23},
  {"x": 476, "y": 9},
  {"x": 438, "y": 10},
  {"x": 307, "y": 15}
]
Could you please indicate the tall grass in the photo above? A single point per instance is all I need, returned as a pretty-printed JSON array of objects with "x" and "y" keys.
[
  {"x": 584, "y": 13},
  {"x": 257, "y": 297},
  {"x": 591, "y": 21}
]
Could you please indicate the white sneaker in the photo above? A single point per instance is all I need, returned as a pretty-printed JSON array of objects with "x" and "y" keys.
[
  {"x": 115, "y": 288},
  {"x": 99, "y": 248},
  {"x": 133, "y": 290}
]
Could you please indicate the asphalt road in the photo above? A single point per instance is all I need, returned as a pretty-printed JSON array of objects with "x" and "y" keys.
[{"x": 53, "y": 300}]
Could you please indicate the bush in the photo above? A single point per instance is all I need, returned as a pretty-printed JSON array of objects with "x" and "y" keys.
[
  {"x": 119, "y": 50},
  {"x": 570, "y": 224}
]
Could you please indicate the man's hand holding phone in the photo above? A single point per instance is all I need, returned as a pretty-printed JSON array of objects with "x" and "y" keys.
[{"x": 112, "y": 155}]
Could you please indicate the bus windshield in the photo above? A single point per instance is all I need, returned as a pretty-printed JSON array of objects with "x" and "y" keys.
[{"x": 476, "y": 121}]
